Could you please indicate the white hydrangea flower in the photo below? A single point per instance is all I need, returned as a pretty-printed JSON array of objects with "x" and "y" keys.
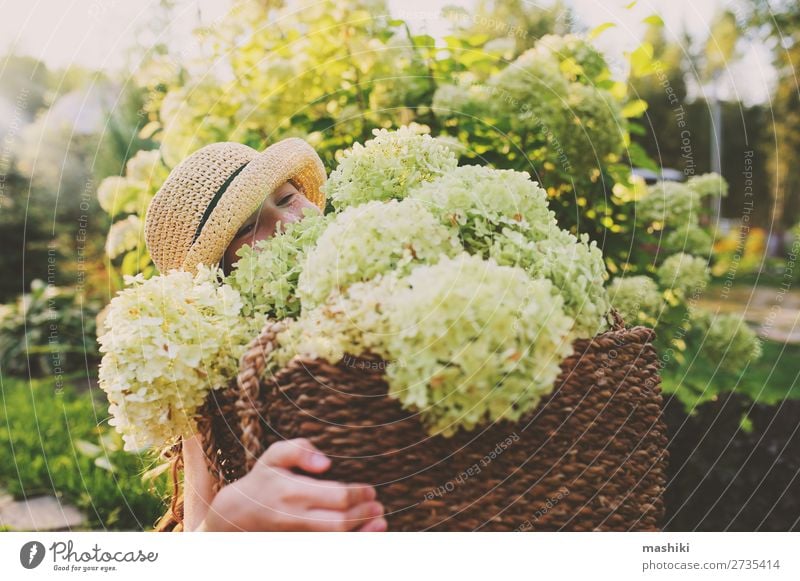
[
  {"x": 637, "y": 298},
  {"x": 477, "y": 341},
  {"x": 727, "y": 340},
  {"x": 530, "y": 93},
  {"x": 372, "y": 239},
  {"x": 684, "y": 274},
  {"x": 351, "y": 322},
  {"x": 574, "y": 266},
  {"x": 596, "y": 128},
  {"x": 571, "y": 50},
  {"x": 503, "y": 214},
  {"x": 146, "y": 167},
  {"x": 480, "y": 202},
  {"x": 708, "y": 184},
  {"x": 169, "y": 340},
  {"x": 119, "y": 195},
  {"x": 690, "y": 239},
  {"x": 387, "y": 166},
  {"x": 670, "y": 203},
  {"x": 266, "y": 274},
  {"x": 123, "y": 236},
  {"x": 453, "y": 101}
]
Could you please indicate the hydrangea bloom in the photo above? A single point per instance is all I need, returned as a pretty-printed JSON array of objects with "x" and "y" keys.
[
  {"x": 596, "y": 126},
  {"x": 670, "y": 203},
  {"x": 635, "y": 297},
  {"x": 480, "y": 202},
  {"x": 530, "y": 93},
  {"x": 477, "y": 341},
  {"x": 690, "y": 239},
  {"x": 372, "y": 239},
  {"x": 147, "y": 168},
  {"x": 387, "y": 166},
  {"x": 267, "y": 274},
  {"x": 684, "y": 273},
  {"x": 708, "y": 184},
  {"x": 123, "y": 236},
  {"x": 574, "y": 266},
  {"x": 456, "y": 100},
  {"x": 169, "y": 340},
  {"x": 350, "y": 322},
  {"x": 727, "y": 340},
  {"x": 577, "y": 56},
  {"x": 119, "y": 195}
]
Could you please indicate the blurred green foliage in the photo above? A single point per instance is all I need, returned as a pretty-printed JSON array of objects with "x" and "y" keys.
[
  {"x": 48, "y": 331},
  {"x": 57, "y": 441}
]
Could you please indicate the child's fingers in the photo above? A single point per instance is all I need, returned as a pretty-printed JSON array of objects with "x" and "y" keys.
[
  {"x": 330, "y": 495},
  {"x": 376, "y": 525},
  {"x": 297, "y": 453},
  {"x": 335, "y": 520}
]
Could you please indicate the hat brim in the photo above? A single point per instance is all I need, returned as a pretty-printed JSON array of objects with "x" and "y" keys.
[{"x": 290, "y": 158}]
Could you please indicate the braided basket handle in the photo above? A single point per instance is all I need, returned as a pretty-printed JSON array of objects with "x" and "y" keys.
[
  {"x": 617, "y": 322},
  {"x": 251, "y": 368}
]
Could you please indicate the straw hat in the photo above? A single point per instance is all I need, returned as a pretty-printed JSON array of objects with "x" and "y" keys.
[{"x": 206, "y": 198}]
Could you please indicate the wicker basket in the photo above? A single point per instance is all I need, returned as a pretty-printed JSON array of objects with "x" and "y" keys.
[{"x": 590, "y": 457}]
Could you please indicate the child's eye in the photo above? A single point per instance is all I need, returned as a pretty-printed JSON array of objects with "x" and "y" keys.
[
  {"x": 286, "y": 199},
  {"x": 244, "y": 230}
]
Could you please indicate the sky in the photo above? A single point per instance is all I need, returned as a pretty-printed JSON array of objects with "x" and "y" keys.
[{"x": 97, "y": 33}]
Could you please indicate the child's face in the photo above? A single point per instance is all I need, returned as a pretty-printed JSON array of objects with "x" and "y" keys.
[{"x": 284, "y": 205}]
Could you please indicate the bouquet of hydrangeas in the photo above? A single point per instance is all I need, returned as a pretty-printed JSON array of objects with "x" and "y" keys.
[{"x": 459, "y": 276}]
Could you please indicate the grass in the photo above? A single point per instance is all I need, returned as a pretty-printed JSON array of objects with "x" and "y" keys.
[
  {"x": 770, "y": 380},
  {"x": 58, "y": 442}
]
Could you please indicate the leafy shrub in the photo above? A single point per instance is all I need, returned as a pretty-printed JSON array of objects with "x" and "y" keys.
[
  {"x": 48, "y": 331},
  {"x": 56, "y": 441}
]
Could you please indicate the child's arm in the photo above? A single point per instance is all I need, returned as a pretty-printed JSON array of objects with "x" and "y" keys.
[
  {"x": 272, "y": 497},
  {"x": 197, "y": 488}
]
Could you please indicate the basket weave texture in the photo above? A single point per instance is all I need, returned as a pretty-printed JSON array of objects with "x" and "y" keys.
[{"x": 591, "y": 456}]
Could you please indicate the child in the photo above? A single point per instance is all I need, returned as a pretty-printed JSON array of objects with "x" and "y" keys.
[{"x": 221, "y": 197}]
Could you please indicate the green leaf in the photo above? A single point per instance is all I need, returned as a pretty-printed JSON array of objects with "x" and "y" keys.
[
  {"x": 422, "y": 40},
  {"x": 640, "y": 158},
  {"x": 634, "y": 108},
  {"x": 600, "y": 29},
  {"x": 149, "y": 129},
  {"x": 571, "y": 68},
  {"x": 641, "y": 60},
  {"x": 636, "y": 129},
  {"x": 631, "y": 5},
  {"x": 654, "y": 19}
]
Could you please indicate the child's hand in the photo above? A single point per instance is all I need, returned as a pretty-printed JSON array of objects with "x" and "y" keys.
[{"x": 273, "y": 498}]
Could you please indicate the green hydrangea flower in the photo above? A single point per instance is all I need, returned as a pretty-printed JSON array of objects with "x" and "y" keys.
[
  {"x": 529, "y": 94},
  {"x": 267, "y": 274},
  {"x": 477, "y": 341},
  {"x": 480, "y": 202},
  {"x": 387, "y": 167},
  {"x": 691, "y": 240},
  {"x": 124, "y": 236},
  {"x": 372, "y": 239},
  {"x": 637, "y": 298},
  {"x": 452, "y": 101},
  {"x": 350, "y": 322},
  {"x": 708, "y": 184},
  {"x": 669, "y": 203},
  {"x": 169, "y": 340},
  {"x": 579, "y": 60},
  {"x": 574, "y": 266},
  {"x": 595, "y": 129},
  {"x": 727, "y": 340},
  {"x": 684, "y": 274}
]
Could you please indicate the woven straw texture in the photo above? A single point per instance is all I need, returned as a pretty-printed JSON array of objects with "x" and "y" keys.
[
  {"x": 592, "y": 456},
  {"x": 176, "y": 211}
]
